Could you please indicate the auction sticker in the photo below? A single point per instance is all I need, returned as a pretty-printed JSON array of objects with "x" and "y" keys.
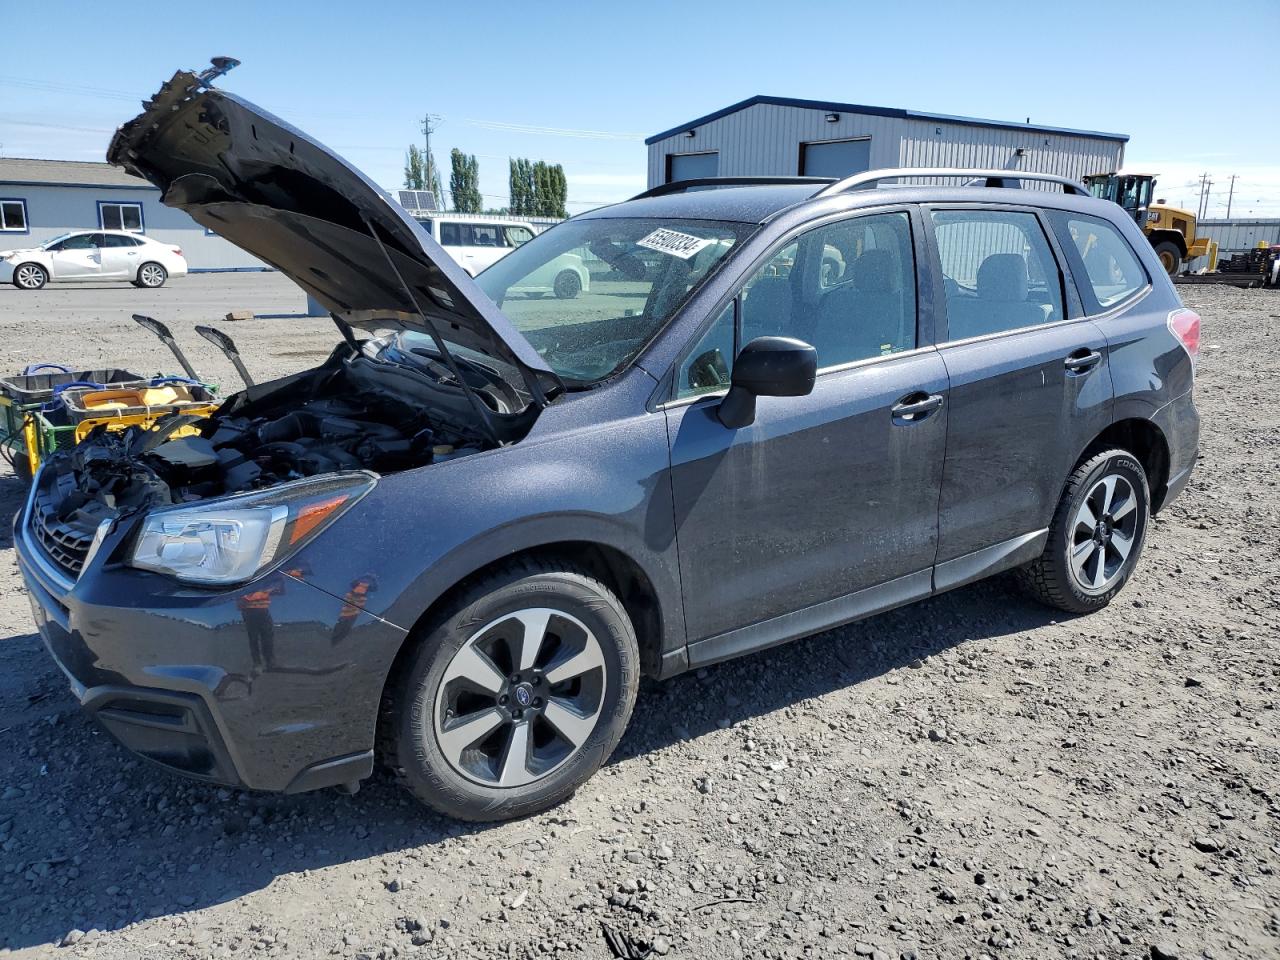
[{"x": 677, "y": 244}]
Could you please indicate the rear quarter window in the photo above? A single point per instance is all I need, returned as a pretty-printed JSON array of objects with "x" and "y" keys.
[{"x": 1107, "y": 271}]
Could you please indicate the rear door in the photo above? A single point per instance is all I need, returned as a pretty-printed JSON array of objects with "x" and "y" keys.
[
  {"x": 812, "y": 509},
  {"x": 79, "y": 257},
  {"x": 120, "y": 256},
  {"x": 1030, "y": 385}
]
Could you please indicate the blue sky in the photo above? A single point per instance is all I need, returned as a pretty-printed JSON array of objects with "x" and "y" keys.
[{"x": 583, "y": 84}]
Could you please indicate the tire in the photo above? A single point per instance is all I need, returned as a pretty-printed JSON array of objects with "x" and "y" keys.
[
  {"x": 469, "y": 776},
  {"x": 1170, "y": 257},
  {"x": 1104, "y": 482},
  {"x": 151, "y": 276},
  {"x": 30, "y": 276},
  {"x": 22, "y": 467},
  {"x": 568, "y": 284}
]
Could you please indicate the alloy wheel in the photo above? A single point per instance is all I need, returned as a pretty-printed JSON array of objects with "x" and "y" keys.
[
  {"x": 520, "y": 697},
  {"x": 1103, "y": 534},
  {"x": 151, "y": 275},
  {"x": 30, "y": 277}
]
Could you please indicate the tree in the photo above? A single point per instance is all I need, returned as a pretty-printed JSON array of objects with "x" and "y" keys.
[
  {"x": 521, "y": 187},
  {"x": 464, "y": 182},
  {"x": 538, "y": 189},
  {"x": 414, "y": 175},
  {"x": 421, "y": 173}
]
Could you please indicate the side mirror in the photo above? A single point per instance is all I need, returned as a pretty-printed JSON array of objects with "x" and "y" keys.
[{"x": 767, "y": 367}]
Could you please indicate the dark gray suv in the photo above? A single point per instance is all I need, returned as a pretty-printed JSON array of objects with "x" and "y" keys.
[{"x": 458, "y": 544}]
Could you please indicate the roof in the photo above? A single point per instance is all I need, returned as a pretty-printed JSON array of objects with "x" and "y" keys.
[
  {"x": 77, "y": 173},
  {"x": 760, "y": 204},
  {"x": 833, "y": 107},
  {"x": 753, "y": 204}
]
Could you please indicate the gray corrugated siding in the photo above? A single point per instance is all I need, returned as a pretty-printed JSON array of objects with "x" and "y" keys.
[
  {"x": 1235, "y": 236},
  {"x": 764, "y": 140}
]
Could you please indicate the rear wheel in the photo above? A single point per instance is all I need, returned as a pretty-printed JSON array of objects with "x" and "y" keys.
[
  {"x": 568, "y": 284},
  {"x": 151, "y": 275},
  {"x": 1170, "y": 257},
  {"x": 1096, "y": 536},
  {"x": 516, "y": 697},
  {"x": 30, "y": 276}
]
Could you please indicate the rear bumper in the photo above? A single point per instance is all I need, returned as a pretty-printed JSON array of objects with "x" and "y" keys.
[
  {"x": 1179, "y": 421},
  {"x": 274, "y": 686}
]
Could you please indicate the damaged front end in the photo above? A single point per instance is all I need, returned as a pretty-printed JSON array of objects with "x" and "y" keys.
[{"x": 218, "y": 499}]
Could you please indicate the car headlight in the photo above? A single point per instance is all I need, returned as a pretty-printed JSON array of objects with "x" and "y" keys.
[{"x": 233, "y": 539}]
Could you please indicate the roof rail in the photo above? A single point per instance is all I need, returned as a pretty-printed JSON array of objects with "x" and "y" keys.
[
  {"x": 682, "y": 186},
  {"x": 994, "y": 178}
]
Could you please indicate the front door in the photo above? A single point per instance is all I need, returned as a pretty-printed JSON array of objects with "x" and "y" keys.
[
  {"x": 826, "y": 497},
  {"x": 79, "y": 257},
  {"x": 1030, "y": 385}
]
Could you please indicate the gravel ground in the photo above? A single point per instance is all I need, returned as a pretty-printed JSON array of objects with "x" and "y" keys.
[{"x": 972, "y": 776}]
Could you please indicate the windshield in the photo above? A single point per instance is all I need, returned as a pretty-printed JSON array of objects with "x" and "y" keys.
[
  {"x": 58, "y": 239},
  {"x": 590, "y": 294}
]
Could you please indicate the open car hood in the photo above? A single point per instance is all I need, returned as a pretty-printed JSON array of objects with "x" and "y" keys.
[{"x": 278, "y": 194}]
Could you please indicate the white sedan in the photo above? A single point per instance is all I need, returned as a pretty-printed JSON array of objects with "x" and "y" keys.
[
  {"x": 566, "y": 276},
  {"x": 93, "y": 255}
]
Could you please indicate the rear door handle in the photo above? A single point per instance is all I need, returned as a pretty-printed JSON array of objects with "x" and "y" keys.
[
  {"x": 914, "y": 407},
  {"x": 1082, "y": 360}
]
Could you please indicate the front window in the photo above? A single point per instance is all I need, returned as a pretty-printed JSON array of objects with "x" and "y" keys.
[
  {"x": 591, "y": 294},
  {"x": 516, "y": 236},
  {"x": 76, "y": 241},
  {"x": 121, "y": 216}
]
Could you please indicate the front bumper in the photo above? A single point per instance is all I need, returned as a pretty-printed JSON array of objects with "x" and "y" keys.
[{"x": 272, "y": 686}]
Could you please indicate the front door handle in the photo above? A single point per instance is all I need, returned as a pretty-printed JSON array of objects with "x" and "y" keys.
[
  {"x": 914, "y": 407},
  {"x": 1082, "y": 360}
]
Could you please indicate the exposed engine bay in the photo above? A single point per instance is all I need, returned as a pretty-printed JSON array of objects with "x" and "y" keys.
[{"x": 382, "y": 405}]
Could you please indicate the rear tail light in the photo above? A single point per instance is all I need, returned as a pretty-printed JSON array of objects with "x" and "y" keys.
[{"x": 1185, "y": 325}]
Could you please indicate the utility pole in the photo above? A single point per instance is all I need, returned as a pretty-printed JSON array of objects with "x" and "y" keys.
[
  {"x": 430, "y": 123},
  {"x": 1231, "y": 193},
  {"x": 1205, "y": 184}
]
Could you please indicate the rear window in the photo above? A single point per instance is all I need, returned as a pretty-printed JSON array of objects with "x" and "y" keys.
[{"x": 1108, "y": 272}]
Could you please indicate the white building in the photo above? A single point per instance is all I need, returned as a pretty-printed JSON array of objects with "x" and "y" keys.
[
  {"x": 40, "y": 199},
  {"x": 778, "y": 136}
]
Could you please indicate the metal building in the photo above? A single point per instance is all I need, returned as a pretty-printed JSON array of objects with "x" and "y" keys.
[
  {"x": 778, "y": 136},
  {"x": 1238, "y": 235},
  {"x": 42, "y": 199}
]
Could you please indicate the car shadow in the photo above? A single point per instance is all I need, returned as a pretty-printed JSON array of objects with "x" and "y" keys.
[{"x": 92, "y": 838}]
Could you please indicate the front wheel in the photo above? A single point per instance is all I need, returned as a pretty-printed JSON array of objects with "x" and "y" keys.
[
  {"x": 30, "y": 276},
  {"x": 516, "y": 697},
  {"x": 151, "y": 275},
  {"x": 1096, "y": 536},
  {"x": 1170, "y": 257}
]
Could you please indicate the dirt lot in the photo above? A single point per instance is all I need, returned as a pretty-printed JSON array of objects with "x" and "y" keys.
[{"x": 969, "y": 777}]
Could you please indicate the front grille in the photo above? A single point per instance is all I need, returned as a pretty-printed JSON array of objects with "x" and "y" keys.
[{"x": 66, "y": 544}]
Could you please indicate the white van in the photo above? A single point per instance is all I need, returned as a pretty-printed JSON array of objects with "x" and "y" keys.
[{"x": 477, "y": 243}]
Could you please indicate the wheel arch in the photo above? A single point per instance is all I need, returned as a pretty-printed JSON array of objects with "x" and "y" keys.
[
  {"x": 1171, "y": 236},
  {"x": 612, "y": 566},
  {"x": 1144, "y": 440}
]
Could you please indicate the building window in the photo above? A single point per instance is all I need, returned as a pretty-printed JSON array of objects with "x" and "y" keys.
[
  {"x": 120, "y": 216},
  {"x": 835, "y": 158},
  {"x": 692, "y": 166},
  {"x": 13, "y": 216}
]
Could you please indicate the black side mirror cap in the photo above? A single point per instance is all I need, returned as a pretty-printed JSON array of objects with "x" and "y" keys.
[{"x": 767, "y": 367}]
